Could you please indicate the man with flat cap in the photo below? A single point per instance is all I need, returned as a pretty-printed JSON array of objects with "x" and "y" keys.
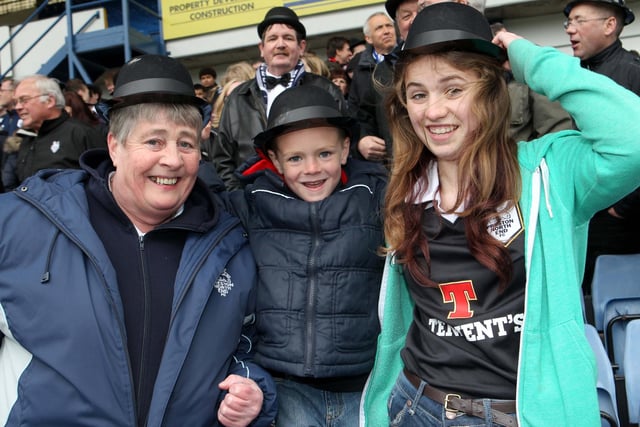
[
  {"x": 594, "y": 29},
  {"x": 282, "y": 43}
]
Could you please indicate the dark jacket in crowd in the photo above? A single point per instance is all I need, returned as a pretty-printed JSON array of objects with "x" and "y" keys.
[
  {"x": 8, "y": 127},
  {"x": 532, "y": 114},
  {"x": 361, "y": 82},
  {"x": 619, "y": 64},
  {"x": 319, "y": 272},
  {"x": 83, "y": 353},
  {"x": 609, "y": 234},
  {"x": 243, "y": 117},
  {"x": 373, "y": 84},
  {"x": 58, "y": 145}
]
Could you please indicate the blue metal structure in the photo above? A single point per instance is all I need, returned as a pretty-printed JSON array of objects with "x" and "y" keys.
[{"x": 135, "y": 29}]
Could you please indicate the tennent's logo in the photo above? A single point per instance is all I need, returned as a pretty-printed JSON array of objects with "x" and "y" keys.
[{"x": 459, "y": 293}]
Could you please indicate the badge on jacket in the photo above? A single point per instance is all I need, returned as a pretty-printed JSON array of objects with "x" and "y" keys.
[
  {"x": 508, "y": 226},
  {"x": 224, "y": 283},
  {"x": 55, "y": 146}
]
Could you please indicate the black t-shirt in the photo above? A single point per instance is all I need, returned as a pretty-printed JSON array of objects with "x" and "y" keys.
[{"x": 465, "y": 333}]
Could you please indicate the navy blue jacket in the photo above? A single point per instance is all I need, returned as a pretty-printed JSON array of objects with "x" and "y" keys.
[
  {"x": 319, "y": 273},
  {"x": 64, "y": 354}
]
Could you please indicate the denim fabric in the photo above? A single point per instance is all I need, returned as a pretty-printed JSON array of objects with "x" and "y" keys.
[
  {"x": 300, "y": 405},
  {"x": 409, "y": 408}
]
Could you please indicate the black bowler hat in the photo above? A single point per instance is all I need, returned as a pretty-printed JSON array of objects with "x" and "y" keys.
[
  {"x": 302, "y": 107},
  {"x": 154, "y": 78},
  {"x": 281, "y": 15},
  {"x": 629, "y": 17},
  {"x": 392, "y": 7},
  {"x": 451, "y": 26}
]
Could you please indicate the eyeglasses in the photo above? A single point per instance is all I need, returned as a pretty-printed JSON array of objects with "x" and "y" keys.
[
  {"x": 24, "y": 99},
  {"x": 578, "y": 22}
]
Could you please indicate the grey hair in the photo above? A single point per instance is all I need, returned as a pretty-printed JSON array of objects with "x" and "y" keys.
[
  {"x": 365, "y": 28},
  {"x": 47, "y": 86},
  {"x": 122, "y": 121}
]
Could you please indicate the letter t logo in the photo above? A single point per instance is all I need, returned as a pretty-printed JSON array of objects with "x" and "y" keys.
[{"x": 459, "y": 293}]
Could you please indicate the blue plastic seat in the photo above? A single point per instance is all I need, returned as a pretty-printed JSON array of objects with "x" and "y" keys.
[
  {"x": 617, "y": 315},
  {"x": 615, "y": 293},
  {"x": 632, "y": 370},
  {"x": 605, "y": 384}
]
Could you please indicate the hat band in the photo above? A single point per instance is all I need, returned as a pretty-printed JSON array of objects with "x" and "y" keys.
[
  {"x": 306, "y": 113},
  {"x": 437, "y": 36},
  {"x": 153, "y": 85}
]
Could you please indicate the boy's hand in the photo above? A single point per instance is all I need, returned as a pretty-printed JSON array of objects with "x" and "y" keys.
[{"x": 242, "y": 403}]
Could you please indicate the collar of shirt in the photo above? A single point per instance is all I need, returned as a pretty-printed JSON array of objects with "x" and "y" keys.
[{"x": 428, "y": 191}]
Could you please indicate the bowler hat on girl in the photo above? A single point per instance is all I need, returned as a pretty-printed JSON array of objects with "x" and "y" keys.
[{"x": 451, "y": 26}]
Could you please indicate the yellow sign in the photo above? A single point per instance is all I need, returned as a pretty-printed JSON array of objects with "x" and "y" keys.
[{"x": 183, "y": 18}]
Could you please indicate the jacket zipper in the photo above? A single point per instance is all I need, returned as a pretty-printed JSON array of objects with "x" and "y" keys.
[
  {"x": 312, "y": 285},
  {"x": 198, "y": 266},
  {"x": 147, "y": 315},
  {"x": 190, "y": 280}
]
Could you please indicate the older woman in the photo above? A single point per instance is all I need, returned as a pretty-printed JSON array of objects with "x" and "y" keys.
[{"x": 126, "y": 295}]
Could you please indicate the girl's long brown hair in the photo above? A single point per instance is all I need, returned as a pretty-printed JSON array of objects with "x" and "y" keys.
[{"x": 488, "y": 172}]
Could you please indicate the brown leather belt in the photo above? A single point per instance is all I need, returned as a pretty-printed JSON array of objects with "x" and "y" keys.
[{"x": 453, "y": 404}]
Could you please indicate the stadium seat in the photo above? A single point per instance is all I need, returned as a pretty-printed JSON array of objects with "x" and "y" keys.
[
  {"x": 615, "y": 291},
  {"x": 605, "y": 384},
  {"x": 632, "y": 369},
  {"x": 617, "y": 315}
]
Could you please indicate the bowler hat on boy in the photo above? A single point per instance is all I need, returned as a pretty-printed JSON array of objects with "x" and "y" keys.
[
  {"x": 629, "y": 17},
  {"x": 451, "y": 26},
  {"x": 281, "y": 15},
  {"x": 302, "y": 107},
  {"x": 151, "y": 79}
]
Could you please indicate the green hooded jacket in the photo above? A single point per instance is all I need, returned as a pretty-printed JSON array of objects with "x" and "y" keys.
[{"x": 566, "y": 178}]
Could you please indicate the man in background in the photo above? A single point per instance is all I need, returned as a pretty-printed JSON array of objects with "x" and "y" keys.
[
  {"x": 594, "y": 29},
  {"x": 282, "y": 43},
  {"x": 59, "y": 140}
]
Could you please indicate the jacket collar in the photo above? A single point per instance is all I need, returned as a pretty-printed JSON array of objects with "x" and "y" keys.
[
  {"x": 603, "y": 56},
  {"x": 49, "y": 125}
]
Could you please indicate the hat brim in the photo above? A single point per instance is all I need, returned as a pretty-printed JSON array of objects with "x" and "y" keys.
[
  {"x": 155, "y": 98},
  {"x": 282, "y": 19},
  {"x": 264, "y": 139},
  {"x": 443, "y": 40},
  {"x": 391, "y": 7},
  {"x": 629, "y": 17}
]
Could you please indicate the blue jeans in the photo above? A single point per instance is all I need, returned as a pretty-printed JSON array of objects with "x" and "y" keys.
[
  {"x": 409, "y": 408},
  {"x": 300, "y": 405}
]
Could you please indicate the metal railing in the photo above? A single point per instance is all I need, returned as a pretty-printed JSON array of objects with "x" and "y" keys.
[{"x": 73, "y": 62}]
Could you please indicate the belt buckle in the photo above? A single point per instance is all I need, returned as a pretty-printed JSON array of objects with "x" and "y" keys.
[{"x": 450, "y": 413}]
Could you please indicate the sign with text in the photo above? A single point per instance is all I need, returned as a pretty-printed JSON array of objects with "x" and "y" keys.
[{"x": 183, "y": 18}]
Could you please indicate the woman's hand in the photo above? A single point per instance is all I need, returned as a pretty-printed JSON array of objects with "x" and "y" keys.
[{"x": 504, "y": 39}]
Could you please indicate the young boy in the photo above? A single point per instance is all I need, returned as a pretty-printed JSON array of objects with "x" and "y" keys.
[{"x": 313, "y": 219}]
